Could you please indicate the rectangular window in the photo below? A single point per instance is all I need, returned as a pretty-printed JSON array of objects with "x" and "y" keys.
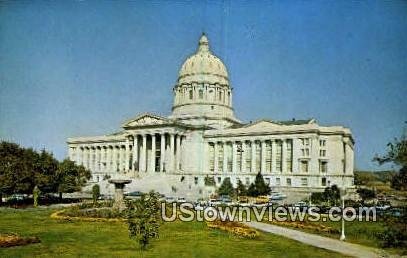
[
  {"x": 288, "y": 181},
  {"x": 304, "y": 166},
  {"x": 196, "y": 180},
  {"x": 289, "y": 158},
  {"x": 201, "y": 94},
  {"x": 258, "y": 156},
  {"x": 305, "y": 141},
  {"x": 211, "y": 156},
  {"x": 322, "y": 143},
  {"x": 304, "y": 181},
  {"x": 239, "y": 151},
  {"x": 267, "y": 180},
  {"x": 229, "y": 157},
  {"x": 248, "y": 156},
  {"x": 279, "y": 146},
  {"x": 322, "y": 153},
  {"x": 278, "y": 181},
  {"x": 247, "y": 181},
  {"x": 191, "y": 94},
  {"x": 323, "y": 166},
  {"x": 323, "y": 182},
  {"x": 268, "y": 156},
  {"x": 220, "y": 157}
]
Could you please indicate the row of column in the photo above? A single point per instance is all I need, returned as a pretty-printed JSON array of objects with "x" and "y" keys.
[
  {"x": 284, "y": 159},
  {"x": 172, "y": 148},
  {"x": 102, "y": 158},
  {"x": 188, "y": 93},
  {"x": 132, "y": 155}
]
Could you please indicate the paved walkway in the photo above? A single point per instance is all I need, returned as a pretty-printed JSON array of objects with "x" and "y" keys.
[{"x": 320, "y": 241}]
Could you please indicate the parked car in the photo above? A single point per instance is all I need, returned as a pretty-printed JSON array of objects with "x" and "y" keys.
[
  {"x": 134, "y": 195},
  {"x": 214, "y": 202},
  {"x": 277, "y": 196},
  {"x": 181, "y": 200}
]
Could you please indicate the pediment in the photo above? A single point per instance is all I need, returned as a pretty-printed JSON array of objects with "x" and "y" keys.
[
  {"x": 263, "y": 124},
  {"x": 146, "y": 120}
]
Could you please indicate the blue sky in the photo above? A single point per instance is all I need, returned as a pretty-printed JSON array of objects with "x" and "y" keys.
[{"x": 72, "y": 68}]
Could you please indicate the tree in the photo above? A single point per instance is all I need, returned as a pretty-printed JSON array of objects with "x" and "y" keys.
[
  {"x": 226, "y": 188},
  {"x": 252, "y": 191},
  {"x": 143, "y": 218},
  {"x": 261, "y": 187},
  {"x": 399, "y": 181},
  {"x": 70, "y": 177},
  {"x": 331, "y": 195},
  {"x": 45, "y": 172},
  {"x": 241, "y": 189},
  {"x": 366, "y": 194},
  {"x": 397, "y": 154},
  {"x": 95, "y": 193}
]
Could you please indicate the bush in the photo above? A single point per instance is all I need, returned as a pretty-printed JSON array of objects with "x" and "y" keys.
[{"x": 95, "y": 193}]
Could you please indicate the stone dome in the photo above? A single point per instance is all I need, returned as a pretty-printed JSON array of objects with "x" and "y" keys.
[{"x": 203, "y": 67}]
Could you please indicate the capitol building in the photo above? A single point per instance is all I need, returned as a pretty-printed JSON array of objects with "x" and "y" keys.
[{"x": 202, "y": 139}]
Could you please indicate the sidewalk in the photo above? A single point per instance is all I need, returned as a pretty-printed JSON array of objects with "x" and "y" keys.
[{"x": 345, "y": 248}]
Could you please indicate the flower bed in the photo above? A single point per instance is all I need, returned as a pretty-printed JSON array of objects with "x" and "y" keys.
[
  {"x": 9, "y": 240},
  {"x": 64, "y": 215},
  {"x": 236, "y": 228},
  {"x": 305, "y": 225}
]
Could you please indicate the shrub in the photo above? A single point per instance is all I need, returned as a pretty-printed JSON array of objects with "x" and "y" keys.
[{"x": 95, "y": 193}]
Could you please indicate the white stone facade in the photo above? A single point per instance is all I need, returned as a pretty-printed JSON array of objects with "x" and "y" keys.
[{"x": 202, "y": 138}]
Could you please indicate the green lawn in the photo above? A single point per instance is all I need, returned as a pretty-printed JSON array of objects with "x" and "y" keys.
[
  {"x": 358, "y": 232},
  {"x": 102, "y": 239}
]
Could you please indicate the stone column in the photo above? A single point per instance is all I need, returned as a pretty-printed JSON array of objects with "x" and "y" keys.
[
  {"x": 153, "y": 152},
  {"x": 263, "y": 156},
  {"x": 253, "y": 156},
  {"x": 127, "y": 165},
  {"x": 172, "y": 157},
  {"x": 273, "y": 156},
  {"x": 234, "y": 157},
  {"x": 216, "y": 158},
  {"x": 284, "y": 156},
  {"x": 178, "y": 149},
  {"x": 162, "y": 152},
  {"x": 135, "y": 166},
  {"x": 143, "y": 155}
]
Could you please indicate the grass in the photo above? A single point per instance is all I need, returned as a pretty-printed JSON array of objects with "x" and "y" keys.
[{"x": 110, "y": 239}]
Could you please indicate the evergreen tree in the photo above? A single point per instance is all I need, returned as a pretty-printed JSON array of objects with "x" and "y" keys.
[
  {"x": 252, "y": 191},
  {"x": 241, "y": 189},
  {"x": 226, "y": 188},
  {"x": 261, "y": 187}
]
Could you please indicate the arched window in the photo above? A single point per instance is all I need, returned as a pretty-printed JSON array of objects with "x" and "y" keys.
[
  {"x": 201, "y": 94},
  {"x": 191, "y": 94}
]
